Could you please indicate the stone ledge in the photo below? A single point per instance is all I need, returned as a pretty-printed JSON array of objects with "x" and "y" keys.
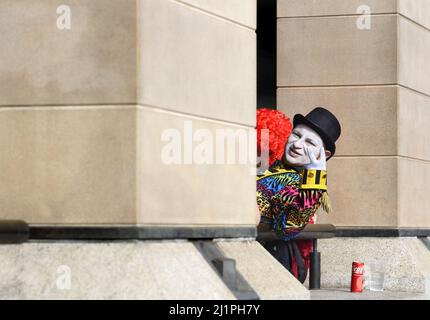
[
  {"x": 407, "y": 261},
  {"x": 269, "y": 279},
  {"x": 108, "y": 270},
  {"x": 343, "y": 294},
  {"x": 137, "y": 270}
]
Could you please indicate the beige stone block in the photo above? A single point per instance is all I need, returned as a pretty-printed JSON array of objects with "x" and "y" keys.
[
  {"x": 239, "y": 11},
  {"x": 368, "y": 115},
  {"x": 363, "y": 192},
  {"x": 333, "y": 51},
  {"x": 193, "y": 192},
  {"x": 414, "y": 202},
  {"x": 92, "y": 63},
  {"x": 379, "y": 192},
  {"x": 414, "y": 115},
  {"x": 68, "y": 165},
  {"x": 305, "y": 8},
  {"x": 110, "y": 271},
  {"x": 414, "y": 48},
  {"x": 269, "y": 279},
  {"x": 416, "y": 10},
  {"x": 195, "y": 63},
  {"x": 406, "y": 260},
  {"x": 101, "y": 165}
]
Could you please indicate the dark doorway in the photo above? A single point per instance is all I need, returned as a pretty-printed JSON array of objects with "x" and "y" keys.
[{"x": 266, "y": 54}]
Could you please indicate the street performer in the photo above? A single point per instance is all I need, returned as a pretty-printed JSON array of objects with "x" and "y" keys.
[{"x": 293, "y": 188}]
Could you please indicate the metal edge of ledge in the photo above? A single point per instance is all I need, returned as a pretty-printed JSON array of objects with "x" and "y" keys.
[
  {"x": 19, "y": 232},
  {"x": 138, "y": 233},
  {"x": 14, "y": 231},
  {"x": 380, "y": 232}
]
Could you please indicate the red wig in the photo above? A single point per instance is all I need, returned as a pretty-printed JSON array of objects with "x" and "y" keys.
[{"x": 279, "y": 126}]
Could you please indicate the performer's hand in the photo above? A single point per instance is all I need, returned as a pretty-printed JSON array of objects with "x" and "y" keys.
[{"x": 316, "y": 164}]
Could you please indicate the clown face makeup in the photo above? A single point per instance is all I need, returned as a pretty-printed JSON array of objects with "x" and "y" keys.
[{"x": 302, "y": 137}]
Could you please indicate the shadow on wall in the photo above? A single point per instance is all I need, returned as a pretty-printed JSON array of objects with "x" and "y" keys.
[{"x": 266, "y": 54}]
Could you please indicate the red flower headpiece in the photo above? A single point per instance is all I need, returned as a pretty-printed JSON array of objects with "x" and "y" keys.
[{"x": 280, "y": 128}]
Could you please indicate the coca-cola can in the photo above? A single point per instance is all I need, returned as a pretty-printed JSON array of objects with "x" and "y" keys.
[{"x": 357, "y": 277}]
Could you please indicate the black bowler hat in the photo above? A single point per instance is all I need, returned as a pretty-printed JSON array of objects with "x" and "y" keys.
[{"x": 325, "y": 124}]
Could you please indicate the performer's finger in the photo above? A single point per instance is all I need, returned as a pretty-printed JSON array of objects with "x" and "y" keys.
[
  {"x": 322, "y": 153},
  {"x": 305, "y": 149},
  {"x": 312, "y": 157}
]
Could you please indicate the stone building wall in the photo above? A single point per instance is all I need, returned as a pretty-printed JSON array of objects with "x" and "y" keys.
[
  {"x": 377, "y": 82},
  {"x": 83, "y": 109}
]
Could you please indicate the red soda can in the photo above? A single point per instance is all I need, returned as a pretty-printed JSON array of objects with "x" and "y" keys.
[{"x": 357, "y": 277}]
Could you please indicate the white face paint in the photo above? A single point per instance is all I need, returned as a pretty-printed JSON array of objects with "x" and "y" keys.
[{"x": 301, "y": 137}]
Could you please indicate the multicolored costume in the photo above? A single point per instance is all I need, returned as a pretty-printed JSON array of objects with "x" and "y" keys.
[{"x": 288, "y": 198}]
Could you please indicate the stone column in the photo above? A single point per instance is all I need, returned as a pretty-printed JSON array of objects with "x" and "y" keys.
[
  {"x": 373, "y": 73},
  {"x": 87, "y": 106},
  {"x": 83, "y": 109}
]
